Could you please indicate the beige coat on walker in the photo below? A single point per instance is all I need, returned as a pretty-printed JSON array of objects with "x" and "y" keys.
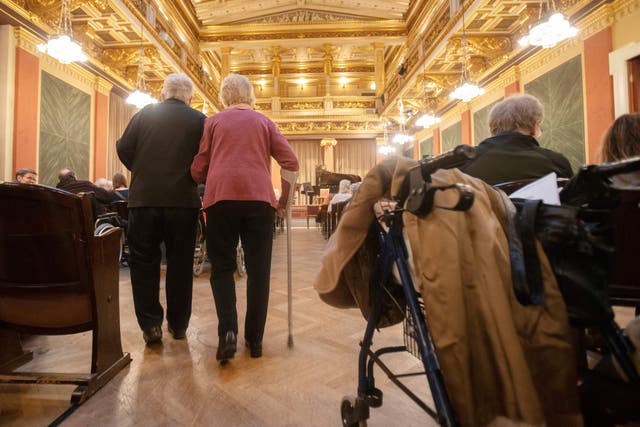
[{"x": 501, "y": 362}]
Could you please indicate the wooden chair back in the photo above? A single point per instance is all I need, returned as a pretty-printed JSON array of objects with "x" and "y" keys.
[
  {"x": 625, "y": 284},
  {"x": 57, "y": 278}
]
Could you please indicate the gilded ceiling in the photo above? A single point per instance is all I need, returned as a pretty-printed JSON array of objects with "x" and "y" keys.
[{"x": 319, "y": 66}]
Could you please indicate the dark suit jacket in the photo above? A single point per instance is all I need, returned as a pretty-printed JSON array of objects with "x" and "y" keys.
[
  {"x": 511, "y": 156},
  {"x": 158, "y": 146},
  {"x": 103, "y": 198}
]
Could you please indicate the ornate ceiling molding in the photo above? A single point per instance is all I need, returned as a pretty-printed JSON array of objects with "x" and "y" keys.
[
  {"x": 302, "y": 16},
  {"x": 214, "y": 12}
]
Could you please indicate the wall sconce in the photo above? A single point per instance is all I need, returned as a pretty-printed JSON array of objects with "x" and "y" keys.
[
  {"x": 261, "y": 84},
  {"x": 373, "y": 86},
  {"x": 343, "y": 82},
  {"x": 301, "y": 81}
]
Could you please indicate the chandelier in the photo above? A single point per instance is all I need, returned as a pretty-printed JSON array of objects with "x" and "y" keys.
[
  {"x": 385, "y": 148},
  {"x": 140, "y": 98},
  {"x": 62, "y": 47},
  {"x": 428, "y": 119},
  {"x": 467, "y": 90},
  {"x": 549, "y": 33},
  {"x": 402, "y": 137}
]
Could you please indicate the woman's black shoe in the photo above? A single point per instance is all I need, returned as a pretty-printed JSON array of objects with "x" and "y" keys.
[
  {"x": 226, "y": 346},
  {"x": 255, "y": 348}
]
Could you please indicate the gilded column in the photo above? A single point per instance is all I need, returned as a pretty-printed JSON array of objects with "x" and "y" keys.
[
  {"x": 379, "y": 68},
  {"x": 328, "y": 147},
  {"x": 275, "y": 71},
  {"x": 328, "y": 66},
  {"x": 224, "y": 59}
]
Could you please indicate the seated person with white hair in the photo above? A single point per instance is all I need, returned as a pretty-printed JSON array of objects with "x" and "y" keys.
[
  {"x": 512, "y": 152},
  {"x": 104, "y": 183},
  {"x": 344, "y": 193},
  {"x": 67, "y": 181}
]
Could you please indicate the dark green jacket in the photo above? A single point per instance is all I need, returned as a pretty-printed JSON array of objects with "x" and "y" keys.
[{"x": 511, "y": 156}]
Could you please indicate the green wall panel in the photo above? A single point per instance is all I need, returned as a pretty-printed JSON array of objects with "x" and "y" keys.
[
  {"x": 451, "y": 137},
  {"x": 408, "y": 152},
  {"x": 560, "y": 91},
  {"x": 65, "y": 136},
  {"x": 481, "y": 124},
  {"x": 426, "y": 147}
]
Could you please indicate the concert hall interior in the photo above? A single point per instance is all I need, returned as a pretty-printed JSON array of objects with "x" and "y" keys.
[{"x": 350, "y": 84}]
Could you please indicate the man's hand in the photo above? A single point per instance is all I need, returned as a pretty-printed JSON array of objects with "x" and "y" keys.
[{"x": 281, "y": 212}]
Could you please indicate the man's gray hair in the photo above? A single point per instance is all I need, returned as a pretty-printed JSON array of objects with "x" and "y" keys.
[
  {"x": 178, "y": 86},
  {"x": 516, "y": 113},
  {"x": 236, "y": 89}
]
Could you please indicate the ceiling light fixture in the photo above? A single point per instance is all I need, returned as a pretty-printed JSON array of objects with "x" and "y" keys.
[
  {"x": 140, "y": 98},
  {"x": 385, "y": 148},
  {"x": 551, "y": 32},
  {"x": 402, "y": 137},
  {"x": 428, "y": 119},
  {"x": 62, "y": 47},
  {"x": 467, "y": 90}
]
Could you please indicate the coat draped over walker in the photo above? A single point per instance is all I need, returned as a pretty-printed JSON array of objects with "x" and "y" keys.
[{"x": 502, "y": 362}]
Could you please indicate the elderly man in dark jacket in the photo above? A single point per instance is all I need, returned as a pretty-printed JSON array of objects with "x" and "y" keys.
[
  {"x": 68, "y": 181},
  {"x": 512, "y": 152},
  {"x": 157, "y": 147}
]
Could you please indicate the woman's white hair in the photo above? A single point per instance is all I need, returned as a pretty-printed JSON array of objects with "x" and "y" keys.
[
  {"x": 236, "y": 89},
  {"x": 178, "y": 86},
  {"x": 516, "y": 113}
]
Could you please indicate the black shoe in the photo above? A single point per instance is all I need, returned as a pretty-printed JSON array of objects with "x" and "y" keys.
[
  {"x": 226, "y": 346},
  {"x": 255, "y": 348},
  {"x": 152, "y": 335},
  {"x": 178, "y": 333}
]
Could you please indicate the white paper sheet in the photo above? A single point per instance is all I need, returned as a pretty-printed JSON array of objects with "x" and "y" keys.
[{"x": 545, "y": 189}]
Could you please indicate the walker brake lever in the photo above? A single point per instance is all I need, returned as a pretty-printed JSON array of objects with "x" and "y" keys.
[{"x": 421, "y": 197}]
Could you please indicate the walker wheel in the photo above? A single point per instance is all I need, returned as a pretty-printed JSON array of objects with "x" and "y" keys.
[
  {"x": 374, "y": 398},
  {"x": 354, "y": 412}
]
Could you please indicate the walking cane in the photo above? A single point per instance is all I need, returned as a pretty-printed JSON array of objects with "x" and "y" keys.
[{"x": 291, "y": 177}]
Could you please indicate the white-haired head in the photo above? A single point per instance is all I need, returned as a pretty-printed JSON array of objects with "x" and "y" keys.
[
  {"x": 519, "y": 113},
  {"x": 236, "y": 89},
  {"x": 178, "y": 86},
  {"x": 344, "y": 186}
]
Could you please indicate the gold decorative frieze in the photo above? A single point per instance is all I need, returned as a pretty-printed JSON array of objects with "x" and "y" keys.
[
  {"x": 362, "y": 33},
  {"x": 337, "y": 126},
  {"x": 301, "y": 105},
  {"x": 354, "y": 104},
  {"x": 27, "y": 40},
  {"x": 300, "y": 16},
  {"x": 262, "y": 106}
]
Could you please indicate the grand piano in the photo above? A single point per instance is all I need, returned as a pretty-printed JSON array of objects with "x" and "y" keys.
[{"x": 326, "y": 179}]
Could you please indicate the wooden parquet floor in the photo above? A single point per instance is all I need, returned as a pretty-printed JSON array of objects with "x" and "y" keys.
[{"x": 180, "y": 383}]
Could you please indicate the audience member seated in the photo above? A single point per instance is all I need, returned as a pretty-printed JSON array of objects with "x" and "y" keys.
[
  {"x": 344, "y": 193},
  {"x": 26, "y": 176},
  {"x": 104, "y": 183},
  {"x": 512, "y": 152},
  {"x": 622, "y": 141},
  {"x": 69, "y": 182},
  {"x": 120, "y": 185}
]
